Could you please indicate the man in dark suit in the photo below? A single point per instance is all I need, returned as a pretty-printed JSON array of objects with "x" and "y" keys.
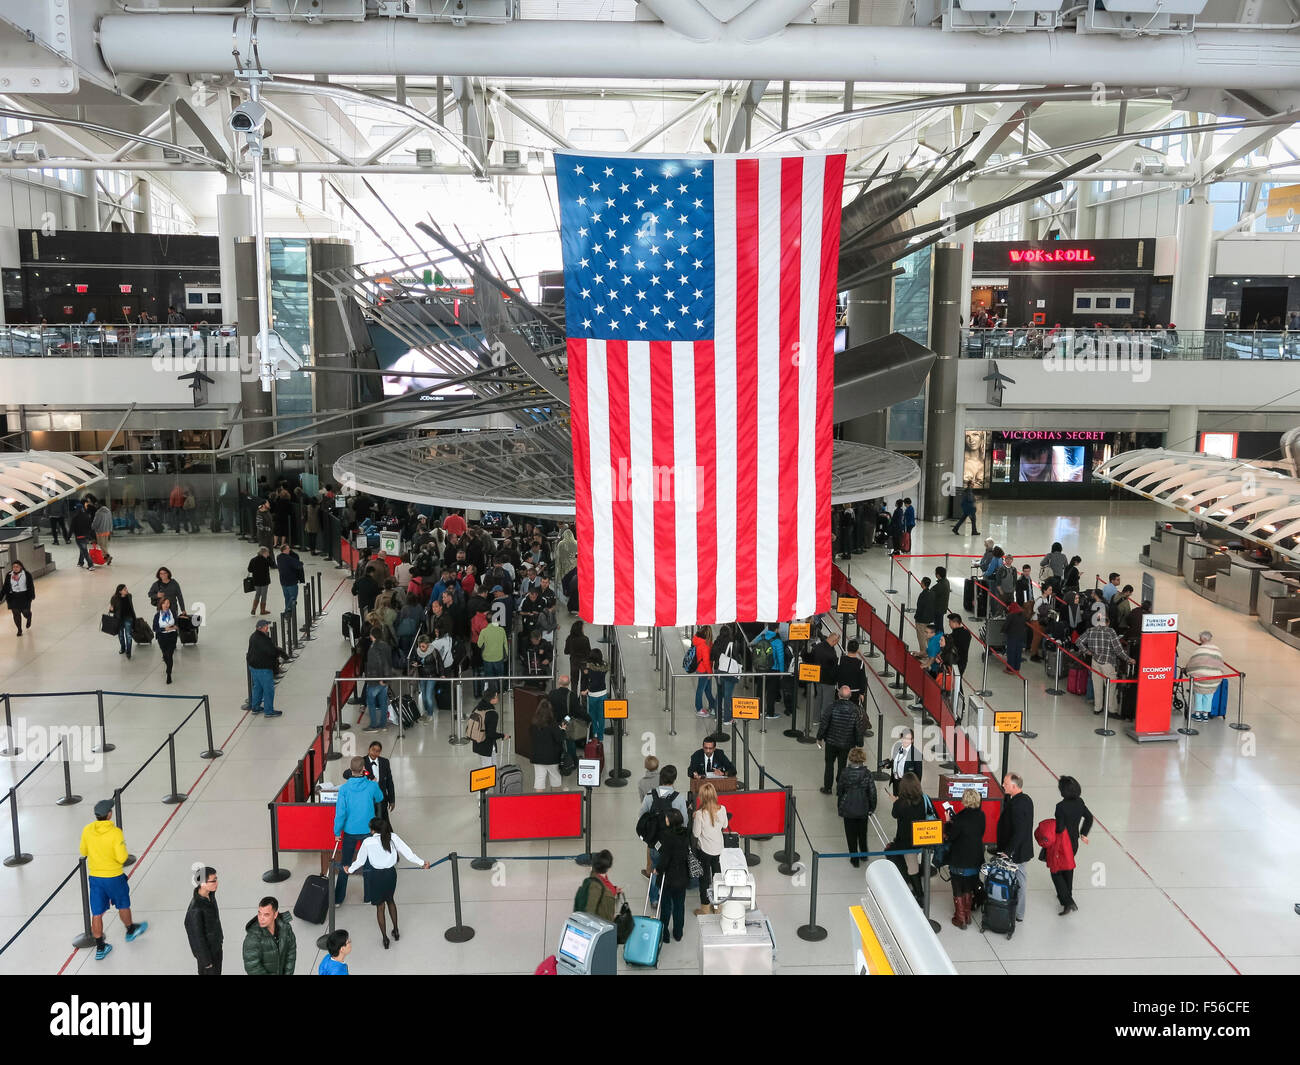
[
  {"x": 1016, "y": 833},
  {"x": 380, "y": 771},
  {"x": 709, "y": 761}
]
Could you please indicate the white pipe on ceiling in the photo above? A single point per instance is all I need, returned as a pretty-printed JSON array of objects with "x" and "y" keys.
[{"x": 202, "y": 44}]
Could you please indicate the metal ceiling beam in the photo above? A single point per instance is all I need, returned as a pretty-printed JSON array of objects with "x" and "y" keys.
[
  {"x": 526, "y": 116},
  {"x": 202, "y": 44}
]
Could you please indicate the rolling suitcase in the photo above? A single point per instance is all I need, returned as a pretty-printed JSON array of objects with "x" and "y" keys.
[
  {"x": 595, "y": 750},
  {"x": 141, "y": 631},
  {"x": 1219, "y": 704},
  {"x": 510, "y": 778},
  {"x": 1077, "y": 684},
  {"x": 1001, "y": 894},
  {"x": 155, "y": 522},
  {"x": 314, "y": 899},
  {"x": 994, "y": 633},
  {"x": 187, "y": 630},
  {"x": 968, "y": 595},
  {"x": 351, "y": 622},
  {"x": 642, "y": 946}
]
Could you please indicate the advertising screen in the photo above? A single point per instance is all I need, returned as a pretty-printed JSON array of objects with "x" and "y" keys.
[{"x": 1051, "y": 463}]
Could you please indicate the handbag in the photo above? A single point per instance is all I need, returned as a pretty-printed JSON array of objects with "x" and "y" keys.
[
  {"x": 624, "y": 922},
  {"x": 727, "y": 664},
  {"x": 1045, "y": 573},
  {"x": 248, "y": 584},
  {"x": 109, "y": 624},
  {"x": 694, "y": 867}
]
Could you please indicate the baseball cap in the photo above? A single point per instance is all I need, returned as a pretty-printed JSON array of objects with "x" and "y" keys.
[
  {"x": 497, "y": 588},
  {"x": 104, "y": 807}
]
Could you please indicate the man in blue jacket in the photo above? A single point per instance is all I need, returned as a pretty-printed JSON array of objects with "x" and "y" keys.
[
  {"x": 772, "y": 685},
  {"x": 352, "y": 814},
  {"x": 291, "y": 575}
]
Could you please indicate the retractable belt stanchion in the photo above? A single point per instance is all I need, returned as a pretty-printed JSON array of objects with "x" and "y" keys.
[
  {"x": 458, "y": 737},
  {"x": 812, "y": 932},
  {"x": 323, "y": 938},
  {"x": 18, "y": 857},
  {"x": 67, "y": 798},
  {"x": 460, "y": 932},
  {"x": 318, "y": 600},
  {"x": 11, "y": 751},
  {"x": 212, "y": 751},
  {"x": 935, "y": 926},
  {"x": 891, "y": 590},
  {"x": 104, "y": 746},
  {"x": 1056, "y": 670},
  {"x": 584, "y": 859},
  {"x": 1105, "y": 729},
  {"x": 1241, "y": 694},
  {"x": 806, "y": 736},
  {"x": 117, "y": 813},
  {"x": 1187, "y": 729},
  {"x": 175, "y": 797},
  {"x": 275, "y": 874},
  {"x": 85, "y": 939},
  {"x": 788, "y": 856},
  {"x": 482, "y": 862},
  {"x": 616, "y": 778},
  {"x": 1024, "y": 733}
]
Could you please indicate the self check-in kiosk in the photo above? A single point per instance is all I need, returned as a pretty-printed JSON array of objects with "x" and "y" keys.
[{"x": 588, "y": 947}]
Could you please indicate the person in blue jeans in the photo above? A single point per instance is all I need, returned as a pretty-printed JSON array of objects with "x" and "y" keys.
[
  {"x": 261, "y": 658},
  {"x": 593, "y": 679},
  {"x": 663, "y": 798},
  {"x": 673, "y": 866},
  {"x": 379, "y": 663},
  {"x": 702, "y": 641},
  {"x": 291, "y": 575},
  {"x": 353, "y": 812}
]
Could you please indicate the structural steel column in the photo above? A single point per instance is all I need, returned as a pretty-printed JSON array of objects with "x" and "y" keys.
[
  {"x": 941, "y": 479},
  {"x": 868, "y": 319},
  {"x": 1192, "y": 269}
]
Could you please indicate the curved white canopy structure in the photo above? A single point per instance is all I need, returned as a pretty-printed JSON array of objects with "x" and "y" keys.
[
  {"x": 1238, "y": 497},
  {"x": 30, "y": 479}
]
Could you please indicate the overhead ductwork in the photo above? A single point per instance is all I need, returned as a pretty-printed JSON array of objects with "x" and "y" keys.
[{"x": 215, "y": 44}]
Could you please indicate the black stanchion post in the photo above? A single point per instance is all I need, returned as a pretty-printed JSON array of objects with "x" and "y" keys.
[
  {"x": 925, "y": 884},
  {"x": 319, "y": 600},
  {"x": 812, "y": 932},
  {"x": 85, "y": 939},
  {"x": 67, "y": 798},
  {"x": 482, "y": 862},
  {"x": 788, "y": 856},
  {"x": 174, "y": 797},
  {"x": 584, "y": 859},
  {"x": 117, "y": 813},
  {"x": 1240, "y": 725},
  {"x": 1105, "y": 729},
  {"x": 10, "y": 751},
  {"x": 275, "y": 874},
  {"x": 806, "y": 736},
  {"x": 745, "y": 785},
  {"x": 18, "y": 857},
  {"x": 1187, "y": 729},
  {"x": 212, "y": 751},
  {"x": 616, "y": 779},
  {"x": 104, "y": 746},
  {"x": 460, "y": 932}
]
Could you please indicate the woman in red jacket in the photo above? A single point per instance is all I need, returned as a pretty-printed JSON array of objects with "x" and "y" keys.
[{"x": 703, "y": 644}]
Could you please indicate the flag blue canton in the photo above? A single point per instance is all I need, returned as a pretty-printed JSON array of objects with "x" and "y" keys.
[{"x": 637, "y": 238}]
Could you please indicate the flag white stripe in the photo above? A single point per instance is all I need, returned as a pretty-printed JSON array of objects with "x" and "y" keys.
[
  {"x": 602, "y": 495},
  {"x": 814, "y": 172},
  {"x": 724, "y": 384},
  {"x": 767, "y": 460},
  {"x": 685, "y": 501},
  {"x": 641, "y": 462}
]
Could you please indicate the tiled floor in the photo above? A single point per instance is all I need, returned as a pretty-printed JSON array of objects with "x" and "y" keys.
[{"x": 1192, "y": 868}]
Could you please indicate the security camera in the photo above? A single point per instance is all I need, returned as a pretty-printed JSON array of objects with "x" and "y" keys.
[{"x": 248, "y": 117}]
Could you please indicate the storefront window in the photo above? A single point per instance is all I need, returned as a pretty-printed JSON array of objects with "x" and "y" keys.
[{"x": 291, "y": 314}]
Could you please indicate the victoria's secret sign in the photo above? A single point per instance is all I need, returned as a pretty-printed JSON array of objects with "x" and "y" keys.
[{"x": 1051, "y": 435}]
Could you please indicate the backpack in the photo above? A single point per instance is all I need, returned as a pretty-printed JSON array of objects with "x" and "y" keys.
[
  {"x": 547, "y": 621},
  {"x": 475, "y": 731},
  {"x": 604, "y": 908},
  {"x": 690, "y": 660},
  {"x": 651, "y": 823},
  {"x": 764, "y": 657}
]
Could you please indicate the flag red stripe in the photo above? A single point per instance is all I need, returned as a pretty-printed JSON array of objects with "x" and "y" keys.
[
  {"x": 747, "y": 442},
  {"x": 706, "y": 518},
  {"x": 620, "y": 457},
  {"x": 832, "y": 195},
  {"x": 665, "y": 521},
  {"x": 788, "y": 429},
  {"x": 577, "y": 350}
]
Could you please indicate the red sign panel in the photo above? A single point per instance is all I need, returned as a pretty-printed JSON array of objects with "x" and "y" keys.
[
  {"x": 755, "y": 813},
  {"x": 1155, "y": 683},
  {"x": 1051, "y": 255},
  {"x": 514, "y": 817},
  {"x": 305, "y": 827}
]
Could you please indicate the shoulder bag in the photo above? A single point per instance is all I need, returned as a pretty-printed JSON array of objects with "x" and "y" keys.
[{"x": 726, "y": 663}]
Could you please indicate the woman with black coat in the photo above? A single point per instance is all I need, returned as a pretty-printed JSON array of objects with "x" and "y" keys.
[
  {"x": 1015, "y": 631},
  {"x": 908, "y": 807},
  {"x": 964, "y": 833},
  {"x": 1070, "y": 583},
  {"x": 260, "y": 567},
  {"x": 578, "y": 648},
  {"x": 165, "y": 586},
  {"x": 675, "y": 872},
  {"x": 548, "y": 745},
  {"x": 18, "y": 590},
  {"x": 855, "y": 793},
  {"x": 1074, "y": 818},
  {"x": 167, "y": 631},
  {"x": 487, "y": 748},
  {"x": 122, "y": 607}
]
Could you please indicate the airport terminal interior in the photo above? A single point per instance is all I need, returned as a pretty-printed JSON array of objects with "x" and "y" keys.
[{"x": 946, "y": 350}]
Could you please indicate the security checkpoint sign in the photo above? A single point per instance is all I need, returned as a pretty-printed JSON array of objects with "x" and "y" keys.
[
  {"x": 810, "y": 672},
  {"x": 1156, "y": 668},
  {"x": 800, "y": 630},
  {"x": 927, "y": 833},
  {"x": 846, "y": 605},
  {"x": 482, "y": 779},
  {"x": 744, "y": 709},
  {"x": 616, "y": 708},
  {"x": 589, "y": 772}
]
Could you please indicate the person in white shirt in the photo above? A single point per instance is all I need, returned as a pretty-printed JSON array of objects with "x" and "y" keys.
[
  {"x": 377, "y": 858},
  {"x": 707, "y": 826}
]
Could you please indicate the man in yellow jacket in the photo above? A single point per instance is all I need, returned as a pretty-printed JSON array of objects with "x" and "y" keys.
[{"x": 104, "y": 848}]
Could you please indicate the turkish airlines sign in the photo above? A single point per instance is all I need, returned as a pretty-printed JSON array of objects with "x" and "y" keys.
[{"x": 1159, "y": 622}]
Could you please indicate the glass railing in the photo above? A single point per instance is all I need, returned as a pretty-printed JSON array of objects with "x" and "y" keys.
[
  {"x": 1031, "y": 343},
  {"x": 83, "y": 341}
]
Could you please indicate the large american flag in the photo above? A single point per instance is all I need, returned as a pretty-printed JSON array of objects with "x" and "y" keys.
[{"x": 700, "y": 317}]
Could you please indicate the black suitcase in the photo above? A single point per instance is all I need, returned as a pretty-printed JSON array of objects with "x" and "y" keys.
[
  {"x": 351, "y": 625},
  {"x": 313, "y": 900},
  {"x": 1001, "y": 895},
  {"x": 968, "y": 595},
  {"x": 410, "y": 711},
  {"x": 155, "y": 522}
]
